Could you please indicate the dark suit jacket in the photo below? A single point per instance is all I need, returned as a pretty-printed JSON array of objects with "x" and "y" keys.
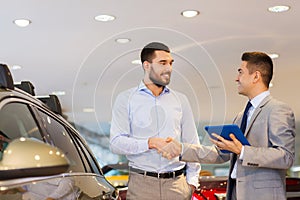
[{"x": 261, "y": 173}]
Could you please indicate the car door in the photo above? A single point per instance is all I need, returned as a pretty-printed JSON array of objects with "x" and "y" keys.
[
  {"x": 83, "y": 180},
  {"x": 83, "y": 162}
]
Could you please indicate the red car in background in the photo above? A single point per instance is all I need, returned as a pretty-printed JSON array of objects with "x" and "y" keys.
[
  {"x": 211, "y": 188},
  {"x": 214, "y": 188}
]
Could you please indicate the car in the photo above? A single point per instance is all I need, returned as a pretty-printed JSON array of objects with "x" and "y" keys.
[
  {"x": 117, "y": 174},
  {"x": 41, "y": 154},
  {"x": 211, "y": 187},
  {"x": 214, "y": 188}
]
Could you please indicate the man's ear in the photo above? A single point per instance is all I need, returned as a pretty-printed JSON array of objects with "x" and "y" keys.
[
  {"x": 146, "y": 65},
  {"x": 257, "y": 76}
]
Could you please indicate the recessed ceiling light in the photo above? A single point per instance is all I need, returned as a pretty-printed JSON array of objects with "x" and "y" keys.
[
  {"x": 273, "y": 55},
  {"x": 104, "y": 18},
  {"x": 15, "y": 67},
  {"x": 271, "y": 84},
  {"x": 278, "y": 9},
  {"x": 22, "y": 22},
  {"x": 190, "y": 13},
  {"x": 122, "y": 40},
  {"x": 88, "y": 110},
  {"x": 59, "y": 93},
  {"x": 136, "y": 62}
]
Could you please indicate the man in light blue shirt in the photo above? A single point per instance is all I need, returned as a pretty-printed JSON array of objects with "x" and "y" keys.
[{"x": 142, "y": 119}]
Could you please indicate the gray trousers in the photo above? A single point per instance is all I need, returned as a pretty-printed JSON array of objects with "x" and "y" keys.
[{"x": 147, "y": 187}]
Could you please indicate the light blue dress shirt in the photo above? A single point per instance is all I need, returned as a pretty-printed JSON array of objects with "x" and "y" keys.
[{"x": 138, "y": 115}]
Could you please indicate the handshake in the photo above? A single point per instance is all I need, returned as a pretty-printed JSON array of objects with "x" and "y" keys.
[{"x": 168, "y": 148}]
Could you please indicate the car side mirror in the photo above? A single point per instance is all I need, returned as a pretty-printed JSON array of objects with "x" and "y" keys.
[{"x": 28, "y": 157}]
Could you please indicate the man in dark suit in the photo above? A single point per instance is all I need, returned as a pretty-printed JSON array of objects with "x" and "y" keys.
[{"x": 257, "y": 171}]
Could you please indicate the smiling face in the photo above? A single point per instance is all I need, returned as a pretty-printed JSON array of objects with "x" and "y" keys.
[
  {"x": 160, "y": 69},
  {"x": 244, "y": 80}
]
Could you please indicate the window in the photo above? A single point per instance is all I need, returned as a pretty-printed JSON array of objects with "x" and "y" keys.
[
  {"x": 61, "y": 139},
  {"x": 88, "y": 158},
  {"x": 17, "y": 121}
]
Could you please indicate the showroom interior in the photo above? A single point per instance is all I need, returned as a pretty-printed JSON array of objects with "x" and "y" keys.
[{"x": 86, "y": 52}]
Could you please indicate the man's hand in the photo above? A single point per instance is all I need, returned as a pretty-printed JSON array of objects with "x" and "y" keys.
[
  {"x": 157, "y": 143},
  {"x": 234, "y": 146},
  {"x": 169, "y": 148},
  {"x": 172, "y": 149}
]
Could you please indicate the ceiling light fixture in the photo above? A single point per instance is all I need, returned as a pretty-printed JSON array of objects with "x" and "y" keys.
[
  {"x": 88, "y": 110},
  {"x": 136, "y": 62},
  {"x": 190, "y": 13},
  {"x": 271, "y": 84},
  {"x": 22, "y": 22},
  {"x": 278, "y": 9},
  {"x": 273, "y": 55},
  {"x": 15, "y": 67},
  {"x": 59, "y": 93},
  {"x": 122, "y": 40},
  {"x": 104, "y": 18}
]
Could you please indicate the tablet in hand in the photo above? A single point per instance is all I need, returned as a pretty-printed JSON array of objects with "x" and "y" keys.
[{"x": 225, "y": 131}]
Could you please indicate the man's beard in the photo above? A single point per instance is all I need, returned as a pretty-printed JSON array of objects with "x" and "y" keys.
[{"x": 158, "y": 82}]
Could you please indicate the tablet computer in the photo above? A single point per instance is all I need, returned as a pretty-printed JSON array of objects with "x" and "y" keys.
[{"x": 224, "y": 131}]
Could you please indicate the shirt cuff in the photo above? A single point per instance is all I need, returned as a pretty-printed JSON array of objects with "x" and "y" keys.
[
  {"x": 241, "y": 157},
  {"x": 143, "y": 145},
  {"x": 194, "y": 180},
  {"x": 180, "y": 155}
]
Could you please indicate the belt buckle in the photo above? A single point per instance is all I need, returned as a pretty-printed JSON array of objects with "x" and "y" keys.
[
  {"x": 158, "y": 175},
  {"x": 174, "y": 174}
]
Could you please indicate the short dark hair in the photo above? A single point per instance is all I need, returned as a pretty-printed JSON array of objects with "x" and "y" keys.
[
  {"x": 261, "y": 62},
  {"x": 147, "y": 52}
]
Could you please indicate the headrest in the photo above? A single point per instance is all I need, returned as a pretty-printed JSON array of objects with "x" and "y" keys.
[
  {"x": 27, "y": 87},
  {"x": 53, "y": 103},
  {"x": 6, "y": 80}
]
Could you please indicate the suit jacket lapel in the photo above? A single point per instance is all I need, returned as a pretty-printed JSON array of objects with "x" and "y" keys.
[{"x": 256, "y": 112}]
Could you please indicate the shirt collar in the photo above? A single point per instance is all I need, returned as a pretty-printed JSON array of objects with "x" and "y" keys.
[
  {"x": 258, "y": 99},
  {"x": 143, "y": 87}
]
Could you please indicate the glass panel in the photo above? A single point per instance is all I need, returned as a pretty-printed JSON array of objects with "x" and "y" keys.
[
  {"x": 62, "y": 140},
  {"x": 17, "y": 121},
  {"x": 87, "y": 156}
]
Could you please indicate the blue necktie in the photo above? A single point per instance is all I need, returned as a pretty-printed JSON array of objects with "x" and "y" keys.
[
  {"x": 234, "y": 157},
  {"x": 243, "y": 128},
  {"x": 245, "y": 116}
]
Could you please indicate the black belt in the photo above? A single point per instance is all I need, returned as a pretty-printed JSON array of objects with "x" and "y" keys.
[{"x": 158, "y": 175}]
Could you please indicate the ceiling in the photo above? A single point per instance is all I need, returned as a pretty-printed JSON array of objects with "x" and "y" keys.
[{"x": 65, "y": 49}]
